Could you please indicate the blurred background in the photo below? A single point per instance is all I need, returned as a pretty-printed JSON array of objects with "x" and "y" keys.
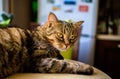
[{"x": 99, "y": 43}]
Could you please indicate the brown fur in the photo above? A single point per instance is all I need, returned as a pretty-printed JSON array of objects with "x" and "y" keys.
[{"x": 38, "y": 50}]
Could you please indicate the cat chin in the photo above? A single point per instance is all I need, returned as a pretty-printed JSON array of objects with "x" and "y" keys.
[{"x": 62, "y": 50}]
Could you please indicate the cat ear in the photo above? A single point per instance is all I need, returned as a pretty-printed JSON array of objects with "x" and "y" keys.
[
  {"x": 52, "y": 17},
  {"x": 78, "y": 24},
  {"x": 78, "y": 27}
]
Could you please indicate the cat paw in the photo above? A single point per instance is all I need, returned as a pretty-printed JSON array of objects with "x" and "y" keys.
[{"x": 89, "y": 70}]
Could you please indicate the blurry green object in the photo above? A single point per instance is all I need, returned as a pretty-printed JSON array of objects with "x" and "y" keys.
[
  {"x": 6, "y": 19},
  {"x": 5, "y": 23},
  {"x": 69, "y": 20},
  {"x": 34, "y": 10},
  {"x": 68, "y": 53}
]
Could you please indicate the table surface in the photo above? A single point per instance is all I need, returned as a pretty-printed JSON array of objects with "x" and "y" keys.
[{"x": 98, "y": 74}]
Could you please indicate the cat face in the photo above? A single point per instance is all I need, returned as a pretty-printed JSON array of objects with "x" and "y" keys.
[{"x": 62, "y": 35}]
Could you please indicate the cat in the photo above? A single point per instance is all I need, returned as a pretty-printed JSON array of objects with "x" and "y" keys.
[{"x": 38, "y": 50}]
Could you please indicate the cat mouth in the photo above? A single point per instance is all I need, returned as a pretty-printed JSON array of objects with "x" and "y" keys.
[
  {"x": 61, "y": 47},
  {"x": 64, "y": 48}
]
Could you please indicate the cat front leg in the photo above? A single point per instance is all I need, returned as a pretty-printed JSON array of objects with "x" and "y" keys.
[
  {"x": 54, "y": 53},
  {"x": 52, "y": 65}
]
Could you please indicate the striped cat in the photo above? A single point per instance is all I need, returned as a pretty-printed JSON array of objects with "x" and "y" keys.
[{"x": 38, "y": 50}]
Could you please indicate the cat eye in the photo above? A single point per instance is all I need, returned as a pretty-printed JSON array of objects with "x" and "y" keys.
[
  {"x": 60, "y": 35},
  {"x": 72, "y": 37}
]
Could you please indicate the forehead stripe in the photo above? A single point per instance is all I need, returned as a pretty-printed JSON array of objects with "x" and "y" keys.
[{"x": 67, "y": 28}]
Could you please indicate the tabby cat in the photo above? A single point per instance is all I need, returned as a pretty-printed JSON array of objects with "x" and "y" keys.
[{"x": 38, "y": 50}]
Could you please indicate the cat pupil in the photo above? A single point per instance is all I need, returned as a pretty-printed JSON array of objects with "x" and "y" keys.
[{"x": 72, "y": 37}]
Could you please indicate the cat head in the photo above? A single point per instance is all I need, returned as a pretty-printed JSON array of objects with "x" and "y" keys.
[{"x": 62, "y": 35}]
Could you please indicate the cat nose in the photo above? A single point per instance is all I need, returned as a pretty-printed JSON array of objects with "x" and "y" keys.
[{"x": 67, "y": 44}]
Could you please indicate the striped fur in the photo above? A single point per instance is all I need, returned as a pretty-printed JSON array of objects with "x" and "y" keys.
[
  {"x": 38, "y": 50},
  {"x": 52, "y": 65}
]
